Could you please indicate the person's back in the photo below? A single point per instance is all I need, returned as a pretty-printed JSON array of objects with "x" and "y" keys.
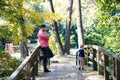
[
  {"x": 81, "y": 56},
  {"x": 81, "y": 52}
]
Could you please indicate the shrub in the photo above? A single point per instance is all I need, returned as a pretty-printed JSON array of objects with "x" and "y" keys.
[{"x": 7, "y": 64}]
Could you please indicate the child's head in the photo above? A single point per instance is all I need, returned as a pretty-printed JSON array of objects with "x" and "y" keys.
[{"x": 81, "y": 46}]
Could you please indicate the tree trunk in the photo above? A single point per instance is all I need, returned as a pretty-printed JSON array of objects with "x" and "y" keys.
[
  {"x": 23, "y": 41},
  {"x": 24, "y": 50},
  {"x": 79, "y": 24},
  {"x": 67, "y": 31},
  {"x": 56, "y": 33}
]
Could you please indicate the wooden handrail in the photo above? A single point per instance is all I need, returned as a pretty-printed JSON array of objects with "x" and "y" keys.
[
  {"x": 110, "y": 66},
  {"x": 30, "y": 64},
  {"x": 99, "y": 55}
]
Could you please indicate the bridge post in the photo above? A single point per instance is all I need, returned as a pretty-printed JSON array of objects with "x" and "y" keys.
[
  {"x": 106, "y": 73},
  {"x": 117, "y": 69},
  {"x": 88, "y": 55},
  {"x": 94, "y": 60},
  {"x": 35, "y": 70},
  {"x": 28, "y": 75},
  {"x": 113, "y": 67},
  {"x": 99, "y": 65},
  {"x": 77, "y": 59}
]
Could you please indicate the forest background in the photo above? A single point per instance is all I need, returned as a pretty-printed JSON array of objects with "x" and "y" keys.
[
  {"x": 69, "y": 24},
  {"x": 21, "y": 20}
]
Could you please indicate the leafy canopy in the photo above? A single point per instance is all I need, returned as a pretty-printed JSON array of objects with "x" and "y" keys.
[
  {"x": 22, "y": 19},
  {"x": 108, "y": 15}
]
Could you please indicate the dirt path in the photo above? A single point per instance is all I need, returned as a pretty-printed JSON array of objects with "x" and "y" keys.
[{"x": 64, "y": 68}]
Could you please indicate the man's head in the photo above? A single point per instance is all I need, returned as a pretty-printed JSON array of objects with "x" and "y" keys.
[{"x": 43, "y": 27}]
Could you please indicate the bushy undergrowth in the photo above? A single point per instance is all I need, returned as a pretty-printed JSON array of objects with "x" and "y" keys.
[{"x": 8, "y": 64}]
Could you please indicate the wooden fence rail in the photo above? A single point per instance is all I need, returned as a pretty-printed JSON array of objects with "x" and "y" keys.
[
  {"x": 104, "y": 61},
  {"x": 30, "y": 64}
]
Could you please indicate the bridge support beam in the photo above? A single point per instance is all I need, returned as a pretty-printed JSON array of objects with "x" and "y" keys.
[
  {"x": 117, "y": 69},
  {"x": 106, "y": 73},
  {"x": 99, "y": 63},
  {"x": 94, "y": 60},
  {"x": 28, "y": 71}
]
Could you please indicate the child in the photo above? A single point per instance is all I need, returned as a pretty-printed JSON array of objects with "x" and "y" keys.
[{"x": 81, "y": 56}]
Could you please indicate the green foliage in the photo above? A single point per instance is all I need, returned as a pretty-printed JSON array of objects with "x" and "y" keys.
[
  {"x": 21, "y": 17},
  {"x": 108, "y": 15},
  {"x": 7, "y": 64},
  {"x": 7, "y": 33},
  {"x": 92, "y": 35},
  {"x": 52, "y": 43},
  {"x": 73, "y": 36},
  {"x": 14, "y": 13}
]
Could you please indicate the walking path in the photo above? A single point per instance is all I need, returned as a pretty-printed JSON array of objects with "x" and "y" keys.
[{"x": 64, "y": 68}]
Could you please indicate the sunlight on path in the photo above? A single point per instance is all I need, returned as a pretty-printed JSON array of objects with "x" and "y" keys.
[{"x": 64, "y": 68}]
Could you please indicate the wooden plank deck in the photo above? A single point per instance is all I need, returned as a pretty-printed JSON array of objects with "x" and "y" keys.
[{"x": 64, "y": 68}]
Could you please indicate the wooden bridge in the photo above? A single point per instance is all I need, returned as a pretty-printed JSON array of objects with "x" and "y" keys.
[{"x": 100, "y": 65}]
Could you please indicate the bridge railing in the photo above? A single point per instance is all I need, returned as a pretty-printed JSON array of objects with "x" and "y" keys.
[
  {"x": 104, "y": 61},
  {"x": 30, "y": 64}
]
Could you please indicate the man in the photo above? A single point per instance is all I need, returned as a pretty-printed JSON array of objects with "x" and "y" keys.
[{"x": 43, "y": 39}]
